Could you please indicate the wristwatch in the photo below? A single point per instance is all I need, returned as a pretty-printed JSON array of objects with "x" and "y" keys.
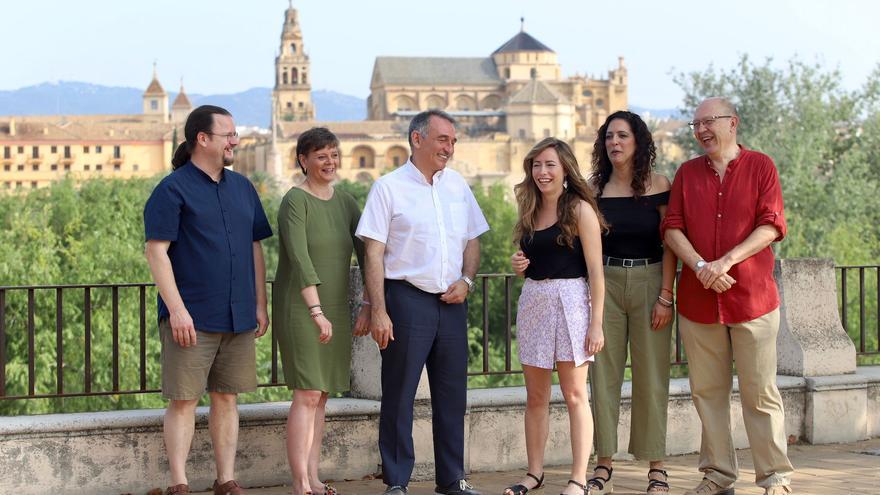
[
  {"x": 699, "y": 266},
  {"x": 470, "y": 283}
]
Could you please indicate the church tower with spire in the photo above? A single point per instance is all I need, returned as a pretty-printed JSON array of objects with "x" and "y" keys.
[
  {"x": 292, "y": 95},
  {"x": 156, "y": 99}
]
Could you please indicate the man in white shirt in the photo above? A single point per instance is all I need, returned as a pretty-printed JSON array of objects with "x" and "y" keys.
[{"x": 421, "y": 226}]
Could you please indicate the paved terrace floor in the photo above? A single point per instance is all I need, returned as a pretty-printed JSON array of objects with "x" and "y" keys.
[{"x": 844, "y": 469}]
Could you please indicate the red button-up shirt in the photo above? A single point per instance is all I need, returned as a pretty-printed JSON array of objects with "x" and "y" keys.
[{"x": 716, "y": 216}]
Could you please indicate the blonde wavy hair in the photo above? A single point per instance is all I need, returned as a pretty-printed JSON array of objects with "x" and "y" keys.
[{"x": 528, "y": 197}]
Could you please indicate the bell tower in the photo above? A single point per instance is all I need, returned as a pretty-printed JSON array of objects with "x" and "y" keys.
[{"x": 292, "y": 95}]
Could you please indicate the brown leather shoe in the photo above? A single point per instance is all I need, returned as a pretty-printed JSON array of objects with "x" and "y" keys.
[
  {"x": 231, "y": 487},
  {"x": 181, "y": 489}
]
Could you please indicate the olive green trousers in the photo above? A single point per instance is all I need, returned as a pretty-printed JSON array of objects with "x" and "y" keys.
[{"x": 630, "y": 294}]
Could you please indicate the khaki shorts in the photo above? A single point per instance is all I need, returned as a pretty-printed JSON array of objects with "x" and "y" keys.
[{"x": 219, "y": 362}]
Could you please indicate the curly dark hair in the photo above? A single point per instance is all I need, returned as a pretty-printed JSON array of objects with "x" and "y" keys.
[{"x": 643, "y": 160}]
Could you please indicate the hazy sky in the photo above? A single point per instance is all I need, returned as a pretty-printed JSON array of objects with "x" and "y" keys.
[{"x": 225, "y": 46}]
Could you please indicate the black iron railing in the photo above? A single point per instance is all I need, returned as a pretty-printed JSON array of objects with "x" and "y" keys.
[
  {"x": 863, "y": 307},
  {"x": 49, "y": 330}
]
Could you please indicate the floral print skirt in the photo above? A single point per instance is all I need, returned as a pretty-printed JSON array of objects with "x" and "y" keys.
[{"x": 552, "y": 321}]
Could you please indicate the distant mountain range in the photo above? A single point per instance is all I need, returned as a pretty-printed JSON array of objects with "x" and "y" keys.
[{"x": 250, "y": 107}]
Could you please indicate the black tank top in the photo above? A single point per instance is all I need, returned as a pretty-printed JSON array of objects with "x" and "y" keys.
[
  {"x": 549, "y": 259},
  {"x": 634, "y": 226}
]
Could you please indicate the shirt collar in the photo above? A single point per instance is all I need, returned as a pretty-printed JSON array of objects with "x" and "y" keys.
[
  {"x": 417, "y": 175},
  {"x": 201, "y": 173},
  {"x": 733, "y": 163}
]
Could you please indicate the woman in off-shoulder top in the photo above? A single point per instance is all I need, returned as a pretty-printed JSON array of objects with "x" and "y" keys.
[{"x": 639, "y": 274}]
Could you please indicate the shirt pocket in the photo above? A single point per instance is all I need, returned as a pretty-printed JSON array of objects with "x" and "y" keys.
[{"x": 458, "y": 218}]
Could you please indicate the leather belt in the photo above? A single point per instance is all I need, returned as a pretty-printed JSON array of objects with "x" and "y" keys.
[{"x": 629, "y": 262}]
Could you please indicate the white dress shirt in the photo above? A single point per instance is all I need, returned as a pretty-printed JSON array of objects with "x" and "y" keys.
[{"x": 425, "y": 227}]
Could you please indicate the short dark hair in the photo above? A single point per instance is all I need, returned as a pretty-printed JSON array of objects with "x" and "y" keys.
[
  {"x": 316, "y": 138},
  {"x": 420, "y": 123},
  {"x": 199, "y": 120}
]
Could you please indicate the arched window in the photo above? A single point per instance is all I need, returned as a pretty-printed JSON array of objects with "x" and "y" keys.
[
  {"x": 294, "y": 76},
  {"x": 304, "y": 80},
  {"x": 465, "y": 103},
  {"x": 396, "y": 156},
  {"x": 507, "y": 73},
  {"x": 284, "y": 77},
  {"x": 435, "y": 101},
  {"x": 293, "y": 48},
  {"x": 491, "y": 102},
  {"x": 404, "y": 103},
  {"x": 363, "y": 157}
]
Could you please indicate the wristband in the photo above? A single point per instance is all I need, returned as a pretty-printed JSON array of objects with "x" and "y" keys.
[
  {"x": 316, "y": 314},
  {"x": 664, "y": 302},
  {"x": 313, "y": 306}
]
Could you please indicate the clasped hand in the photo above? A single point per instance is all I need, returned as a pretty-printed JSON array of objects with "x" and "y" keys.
[{"x": 714, "y": 276}]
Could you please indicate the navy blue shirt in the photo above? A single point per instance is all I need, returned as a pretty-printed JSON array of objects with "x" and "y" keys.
[{"x": 212, "y": 227}]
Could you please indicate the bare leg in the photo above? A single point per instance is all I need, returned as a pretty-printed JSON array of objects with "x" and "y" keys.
[
  {"x": 317, "y": 440},
  {"x": 537, "y": 420},
  {"x": 573, "y": 381},
  {"x": 223, "y": 425},
  {"x": 300, "y": 434},
  {"x": 179, "y": 425}
]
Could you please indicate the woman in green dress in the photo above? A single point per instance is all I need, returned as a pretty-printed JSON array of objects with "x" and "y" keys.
[{"x": 312, "y": 319}]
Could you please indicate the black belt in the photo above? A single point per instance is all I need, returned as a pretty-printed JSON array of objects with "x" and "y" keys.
[{"x": 629, "y": 262}]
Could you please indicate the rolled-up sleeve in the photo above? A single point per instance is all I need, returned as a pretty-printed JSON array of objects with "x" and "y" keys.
[
  {"x": 674, "y": 218},
  {"x": 769, "y": 210}
]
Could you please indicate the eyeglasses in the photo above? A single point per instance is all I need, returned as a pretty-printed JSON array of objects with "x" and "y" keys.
[
  {"x": 228, "y": 136},
  {"x": 707, "y": 122}
]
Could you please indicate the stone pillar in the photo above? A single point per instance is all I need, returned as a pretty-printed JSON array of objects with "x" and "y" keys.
[
  {"x": 813, "y": 343},
  {"x": 366, "y": 361},
  {"x": 811, "y": 340}
]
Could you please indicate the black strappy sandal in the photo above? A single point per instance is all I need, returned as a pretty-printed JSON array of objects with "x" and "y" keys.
[
  {"x": 655, "y": 486},
  {"x": 597, "y": 483},
  {"x": 519, "y": 489},
  {"x": 586, "y": 488}
]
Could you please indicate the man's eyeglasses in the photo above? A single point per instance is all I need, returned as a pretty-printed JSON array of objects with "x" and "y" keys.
[
  {"x": 707, "y": 122},
  {"x": 228, "y": 136}
]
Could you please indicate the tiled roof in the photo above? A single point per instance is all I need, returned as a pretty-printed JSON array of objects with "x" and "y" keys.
[
  {"x": 154, "y": 88},
  {"x": 436, "y": 70},
  {"x": 522, "y": 42},
  {"x": 182, "y": 101},
  {"x": 61, "y": 129},
  {"x": 536, "y": 91}
]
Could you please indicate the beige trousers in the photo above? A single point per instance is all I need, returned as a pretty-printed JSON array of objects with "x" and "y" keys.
[{"x": 711, "y": 350}]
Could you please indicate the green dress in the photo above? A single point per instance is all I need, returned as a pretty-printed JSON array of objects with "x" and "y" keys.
[{"x": 317, "y": 239}]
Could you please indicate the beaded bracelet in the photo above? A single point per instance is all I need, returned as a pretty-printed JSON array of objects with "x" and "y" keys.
[
  {"x": 316, "y": 314},
  {"x": 664, "y": 302}
]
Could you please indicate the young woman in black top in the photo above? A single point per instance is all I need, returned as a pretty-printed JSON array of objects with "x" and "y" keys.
[
  {"x": 558, "y": 232},
  {"x": 639, "y": 274}
]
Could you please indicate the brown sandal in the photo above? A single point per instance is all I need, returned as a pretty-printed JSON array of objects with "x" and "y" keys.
[
  {"x": 181, "y": 489},
  {"x": 231, "y": 487}
]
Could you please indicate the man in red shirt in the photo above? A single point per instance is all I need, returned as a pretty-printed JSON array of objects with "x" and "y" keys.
[{"x": 724, "y": 211}]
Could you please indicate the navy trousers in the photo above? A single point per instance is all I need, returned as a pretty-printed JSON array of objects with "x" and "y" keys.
[{"x": 427, "y": 332}]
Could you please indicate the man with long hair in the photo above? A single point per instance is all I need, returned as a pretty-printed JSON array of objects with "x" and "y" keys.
[{"x": 203, "y": 227}]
